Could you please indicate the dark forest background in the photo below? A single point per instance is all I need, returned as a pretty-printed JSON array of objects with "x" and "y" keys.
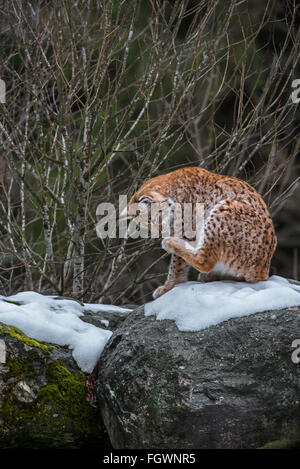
[{"x": 102, "y": 95}]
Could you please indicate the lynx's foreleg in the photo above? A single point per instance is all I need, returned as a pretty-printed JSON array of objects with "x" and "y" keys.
[{"x": 175, "y": 275}]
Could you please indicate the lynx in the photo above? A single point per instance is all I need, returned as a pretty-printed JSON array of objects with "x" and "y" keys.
[{"x": 238, "y": 239}]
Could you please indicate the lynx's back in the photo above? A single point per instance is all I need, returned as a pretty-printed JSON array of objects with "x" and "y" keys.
[{"x": 239, "y": 237}]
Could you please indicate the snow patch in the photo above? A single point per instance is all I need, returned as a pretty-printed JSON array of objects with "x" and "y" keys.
[
  {"x": 195, "y": 306},
  {"x": 107, "y": 308},
  {"x": 57, "y": 321}
]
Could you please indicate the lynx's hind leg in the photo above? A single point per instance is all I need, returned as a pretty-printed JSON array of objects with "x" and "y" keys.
[
  {"x": 236, "y": 235},
  {"x": 231, "y": 236}
]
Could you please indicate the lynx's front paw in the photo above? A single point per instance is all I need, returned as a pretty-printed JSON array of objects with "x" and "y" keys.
[
  {"x": 160, "y": 291},
  {"x": 170, "y": 244}
]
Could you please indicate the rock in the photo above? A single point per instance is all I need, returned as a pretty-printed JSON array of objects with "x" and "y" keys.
[
  {"x": 43, "y": 397},
  {"x": 232, "y": 385},
  {"x": 105, "y": 319}
]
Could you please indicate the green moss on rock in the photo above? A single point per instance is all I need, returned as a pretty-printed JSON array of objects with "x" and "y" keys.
[
  {"x": 67, "y": 393},
  {"x": 59, "y": 405},
  {"x": 43, "y": 402},
  {"x": 16, "y": 366},
  {"x": 285, "y": 443},
  {"x": 21, "y": 337}
]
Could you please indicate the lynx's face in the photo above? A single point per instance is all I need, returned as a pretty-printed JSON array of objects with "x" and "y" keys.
[{"x": 151, "y": 209}]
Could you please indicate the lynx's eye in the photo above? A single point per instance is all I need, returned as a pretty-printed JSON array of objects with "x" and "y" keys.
[{"x": 145, "y": 200}]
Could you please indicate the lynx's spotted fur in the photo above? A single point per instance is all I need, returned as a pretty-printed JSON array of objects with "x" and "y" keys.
[{"x": 239, "y": 238}]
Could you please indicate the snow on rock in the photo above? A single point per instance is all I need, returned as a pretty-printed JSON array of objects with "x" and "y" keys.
[
  {"x": 107, "y": 308},
  {"x": 195, "y": 306},
  {"x": 58, "y": 321},
  {"x": 192, "y": 305}
]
